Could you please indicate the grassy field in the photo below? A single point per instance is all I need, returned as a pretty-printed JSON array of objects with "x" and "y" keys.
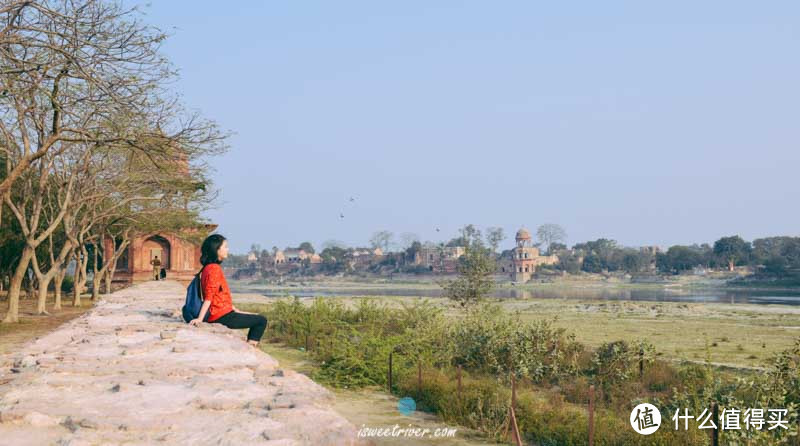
[
  {"x": 731, "y": 335},
  {"x": 502, "y": 281},
  {"x": 735, "y": 335}
]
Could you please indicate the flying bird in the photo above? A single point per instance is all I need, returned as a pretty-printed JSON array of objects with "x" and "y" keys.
[
  {"x": 341, "y": 215},
  {"x": 352, "y": 199},
  {"x": 437, "y": 229}
]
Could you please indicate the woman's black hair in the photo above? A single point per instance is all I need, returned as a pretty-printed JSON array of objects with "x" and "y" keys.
[{"x": 208, "y": 252}]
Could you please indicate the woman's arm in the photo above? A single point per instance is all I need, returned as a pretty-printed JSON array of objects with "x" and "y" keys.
[
  {"x": 202, "y": 315},
  {"x": 240, "y": 311}
]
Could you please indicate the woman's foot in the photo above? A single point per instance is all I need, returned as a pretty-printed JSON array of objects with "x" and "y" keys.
[{"x": 253, "y": 343}]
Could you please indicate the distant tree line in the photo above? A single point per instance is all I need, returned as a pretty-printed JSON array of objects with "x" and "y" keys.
[
  {"x": 776, "y": 256},
  {"x": 770, "y": 256}
]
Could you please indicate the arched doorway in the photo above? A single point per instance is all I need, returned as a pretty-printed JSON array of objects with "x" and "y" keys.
[{"x": 153, "y": 246}]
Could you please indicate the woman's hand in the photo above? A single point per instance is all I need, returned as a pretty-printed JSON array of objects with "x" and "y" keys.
[{"x": 195, "y": 322}]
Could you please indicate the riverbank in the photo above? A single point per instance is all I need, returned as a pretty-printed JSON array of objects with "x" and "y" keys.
[
  {"x": 585, "y": 286},
  {"x": 742, "y": 336},
  {"x": 711, "y": 279}
]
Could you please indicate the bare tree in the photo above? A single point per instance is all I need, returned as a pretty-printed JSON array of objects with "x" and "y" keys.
[
  {"x": 83, "y": 84},
  {"x": 382, "y": 240},
  {"x": 494, "y": 235},
  {"x": 65, "y": 65},
  {"x": 28, "y": 209},
  {"x": 407, "y": 239},
  {"x": 59, "y": 248},
  {"x": 470, "y": 234},
  {"x": 550, "y": 233}
]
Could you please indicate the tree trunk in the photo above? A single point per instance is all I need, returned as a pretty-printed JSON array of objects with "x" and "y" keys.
[
  {"x": 76, "y": 287},
  {"x": 110, "y": 277},
  {"x": 107, "y": 277},
  {"x": 80, "y": 275},
  {"x": 16, "y": 284},
  {"x": 110, "y": 260},
  {"x": 62, "y": 272},
  {"x": 76, "y": 294},
  {"x": 96, "y": 274},
  {"x": 730, "y": 265},
  {"x": 96, "y": 281},
  {"x": 44, "y": 284}
]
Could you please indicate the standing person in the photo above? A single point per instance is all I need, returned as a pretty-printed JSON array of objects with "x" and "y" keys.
[
  {"x": 156, "y": 267},
  {"x": 217, "y": 295}
]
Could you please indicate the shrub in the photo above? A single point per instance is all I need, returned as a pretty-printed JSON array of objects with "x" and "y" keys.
[{"x": 67, "y": 284}]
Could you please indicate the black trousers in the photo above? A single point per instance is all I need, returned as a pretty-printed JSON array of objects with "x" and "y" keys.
[{"x": 255, "y": 322}]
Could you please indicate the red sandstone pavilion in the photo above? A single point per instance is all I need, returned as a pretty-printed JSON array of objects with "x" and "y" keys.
[{"x": 178, "y": 254}]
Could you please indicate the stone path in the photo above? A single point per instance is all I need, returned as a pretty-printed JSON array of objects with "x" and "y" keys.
[{"x": 131, "y": 372}]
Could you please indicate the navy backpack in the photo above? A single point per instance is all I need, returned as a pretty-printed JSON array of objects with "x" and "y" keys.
[{"x": 194, "y": 300}]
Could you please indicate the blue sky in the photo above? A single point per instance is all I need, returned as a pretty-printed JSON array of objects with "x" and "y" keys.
[{"x": 645, "y": 123}]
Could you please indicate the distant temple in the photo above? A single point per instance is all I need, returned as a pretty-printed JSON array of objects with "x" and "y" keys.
[
  {"x": 179, "y": 257},
  {"x": 525, "y": 258}
]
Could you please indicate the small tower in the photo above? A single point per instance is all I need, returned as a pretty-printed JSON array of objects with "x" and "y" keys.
[{"x": 524, "y": 257}]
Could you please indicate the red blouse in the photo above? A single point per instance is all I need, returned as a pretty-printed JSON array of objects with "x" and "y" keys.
[{"x": 215, "y": 289}]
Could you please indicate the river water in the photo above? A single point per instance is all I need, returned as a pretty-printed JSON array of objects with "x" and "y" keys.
[{"x": 723, "y": 295}]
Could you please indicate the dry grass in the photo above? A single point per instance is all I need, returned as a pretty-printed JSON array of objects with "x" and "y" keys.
[
  {"x": 373, "y": 407},
  {"x": 736, "y": 335},
  {"x": 32, "y": 326}
]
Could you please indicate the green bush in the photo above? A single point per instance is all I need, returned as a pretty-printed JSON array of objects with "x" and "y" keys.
[
  {"x": 67, "y": 284},
  {"x": 488, "y": 341},
  {"x": 352, "y": 345}
]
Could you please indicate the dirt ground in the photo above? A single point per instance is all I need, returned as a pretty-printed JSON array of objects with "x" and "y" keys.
[{"x": 31, "y": 325}]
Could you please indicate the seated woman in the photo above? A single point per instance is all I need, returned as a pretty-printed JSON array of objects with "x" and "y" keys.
[{"x": 217, "y": 295}]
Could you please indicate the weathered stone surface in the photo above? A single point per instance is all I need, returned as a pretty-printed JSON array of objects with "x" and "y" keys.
[{"x": 130, "y": 371}]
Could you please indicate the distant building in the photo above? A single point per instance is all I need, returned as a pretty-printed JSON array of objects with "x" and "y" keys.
[
  {"x": 292, "y": 259},
  {"x": 525, "y": 258},
  {"x": 365, "y": 256},
  {"x": 651, "y": 251},
  {"x": 439, "y": 258},
  {"x": 375, "y": 252},
  {"x": 295, "y": 255},
  {"x": 179, "y": 256}
]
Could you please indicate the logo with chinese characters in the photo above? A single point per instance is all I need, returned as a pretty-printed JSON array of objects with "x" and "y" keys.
[
  {"x": 733, "y": 418},
  {"x": 645, "y": 418}
]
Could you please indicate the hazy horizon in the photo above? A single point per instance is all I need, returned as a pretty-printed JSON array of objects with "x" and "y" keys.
[{"x": 647, "y": 124}]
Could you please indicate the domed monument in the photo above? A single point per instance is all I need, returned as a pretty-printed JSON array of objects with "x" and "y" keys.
[{"x": 525, "y": 257}]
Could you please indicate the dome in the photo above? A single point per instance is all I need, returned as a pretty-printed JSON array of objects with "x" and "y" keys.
[{"x": 523, "y": 234}]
